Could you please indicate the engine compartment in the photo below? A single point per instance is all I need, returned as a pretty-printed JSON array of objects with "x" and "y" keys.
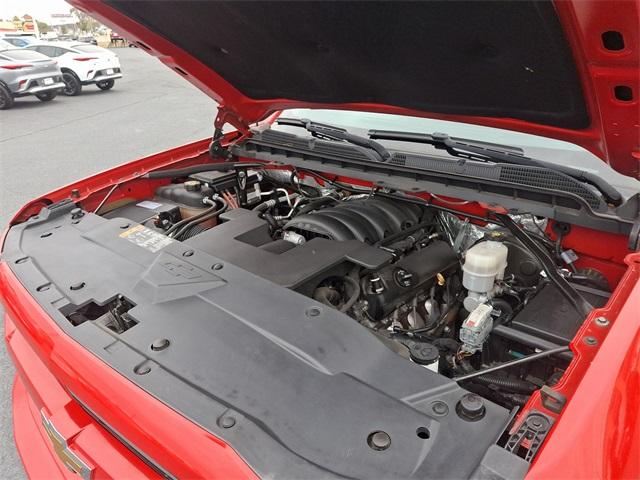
[
  {"x": 439, "y": 288},
  {"x": 293, "y": 298}
]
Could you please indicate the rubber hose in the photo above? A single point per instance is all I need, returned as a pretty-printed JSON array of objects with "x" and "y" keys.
[
  {"x": 512, "y": 384},
  {"x": 273, "y": 225},
  {"x": 179, "y": 224},
  {"x": 266, "y": 205},
  {"x": 315, "y": 203},
  {"x": 354, "y": 296},
  {"x": 323, "y": 294},
  {"x": 180, "y": 233},
  {"x": 283, "y": 178},
  {"x": 505, "y": 308},
  {"x": 201, "y": 219},
  {"x": 193, "y": 231}
]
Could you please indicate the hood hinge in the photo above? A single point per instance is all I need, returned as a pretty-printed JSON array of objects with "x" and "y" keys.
[{"x": 226, "y": 116}]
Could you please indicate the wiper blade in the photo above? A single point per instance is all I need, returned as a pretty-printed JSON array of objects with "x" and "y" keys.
[
  {"x": 331, "y": 132},
  {"x": 500, "y": 153},
  {"x": 444, "y": 141}
]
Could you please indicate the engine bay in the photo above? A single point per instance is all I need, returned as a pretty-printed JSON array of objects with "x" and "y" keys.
[
  {"x": 289, "y": 297},
  {"x": 440, "y": 289}
]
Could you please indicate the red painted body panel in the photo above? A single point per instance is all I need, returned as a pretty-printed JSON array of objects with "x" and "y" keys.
[
  {"x": 598, "y": 434},
  {"x": 92, "y": 189},
  {"x": 50, "y": 364},
  {"x": 615, "y": 125}
]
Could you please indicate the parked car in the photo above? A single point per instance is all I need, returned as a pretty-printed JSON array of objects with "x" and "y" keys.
[
  {"x": 408, "y": 250},
  {"x": 82, "y": 64},
  {"x": 91, "y": 40},
  {"x": 23, "y": 73},
  {"x": 4, "y": 45},
  {"x": 20, "y": 41}
]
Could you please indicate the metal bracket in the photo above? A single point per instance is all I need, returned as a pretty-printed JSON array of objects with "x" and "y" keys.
[
  {"x": 530, "y": 434},
  {"x": 224, "y": 117}
]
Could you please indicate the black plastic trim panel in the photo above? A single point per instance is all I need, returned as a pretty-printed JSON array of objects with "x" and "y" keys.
[
  {"x": 305, "y": 384},
  {"x": 469, "y": 180}
]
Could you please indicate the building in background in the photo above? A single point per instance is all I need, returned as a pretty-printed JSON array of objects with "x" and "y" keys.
[
  {"x": 59, "y": 26},
  {"x": 63, "y": 25},
  {"x": 24, "y": 25}
]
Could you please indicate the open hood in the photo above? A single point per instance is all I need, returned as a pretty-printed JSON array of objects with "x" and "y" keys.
[{"x": 567, "y": 70}]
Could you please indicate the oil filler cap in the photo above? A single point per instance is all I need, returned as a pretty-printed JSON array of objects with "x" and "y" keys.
[{"x": 471, "y": 407}]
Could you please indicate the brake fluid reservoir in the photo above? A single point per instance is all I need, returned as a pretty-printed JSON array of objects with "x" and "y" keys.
[{"x": 484, "y": 264}]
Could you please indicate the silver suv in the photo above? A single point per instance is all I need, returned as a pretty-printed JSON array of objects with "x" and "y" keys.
[{"x": 25, "y": 72}]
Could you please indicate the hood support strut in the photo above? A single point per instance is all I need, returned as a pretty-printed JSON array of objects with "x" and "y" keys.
[{"x": 566, "y": 289}]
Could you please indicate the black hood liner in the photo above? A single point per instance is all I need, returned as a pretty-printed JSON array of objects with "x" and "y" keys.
[{"x": 494, "y": 59}]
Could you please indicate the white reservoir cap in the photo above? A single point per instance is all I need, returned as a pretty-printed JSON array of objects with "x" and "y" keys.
[{"x": 484, "y": 264}]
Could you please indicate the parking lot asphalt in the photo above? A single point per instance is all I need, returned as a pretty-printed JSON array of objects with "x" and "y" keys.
[{"x": 44, "y": 146}]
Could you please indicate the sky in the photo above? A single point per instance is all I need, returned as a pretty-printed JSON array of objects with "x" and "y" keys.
[{"x": 40, "y": 9}]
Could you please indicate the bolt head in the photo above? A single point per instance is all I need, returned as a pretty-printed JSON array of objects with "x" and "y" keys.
[
  {"x": 471, "y": 407},
  {"x": 537, "y": 422},
  {"x": 602, "y": 321},
  {"x": 379, "y": 440},
  {"x": 227, "y": 422},
  {"x": 76, "y": 213},
  {"x": 439, "y": 408}
]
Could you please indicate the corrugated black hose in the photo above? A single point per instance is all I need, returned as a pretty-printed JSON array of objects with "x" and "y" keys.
[
  {"x": 200, "y": 219},
  {"x": 506, "y": 383}
]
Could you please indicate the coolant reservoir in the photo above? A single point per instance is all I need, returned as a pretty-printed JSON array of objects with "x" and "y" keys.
[{"x": 484, "y": 264}]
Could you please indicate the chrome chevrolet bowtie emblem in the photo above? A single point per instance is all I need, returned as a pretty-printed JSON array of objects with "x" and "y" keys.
[{"x": 69, "y": 458}]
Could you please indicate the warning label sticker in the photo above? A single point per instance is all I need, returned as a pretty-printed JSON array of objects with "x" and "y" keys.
[
  {"x": 146, "y": 238},
  {"x": 149, "y": 205}
]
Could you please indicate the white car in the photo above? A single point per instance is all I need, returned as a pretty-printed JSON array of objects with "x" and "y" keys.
[{"x": 82, "y": 64}]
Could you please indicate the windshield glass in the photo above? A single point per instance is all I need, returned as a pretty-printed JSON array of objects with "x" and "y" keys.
[
  {"x": 542, "y": 148},
  {"x": 19, "y": 41}
]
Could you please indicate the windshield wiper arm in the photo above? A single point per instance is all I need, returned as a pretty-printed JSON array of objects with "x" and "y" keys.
[
  {"x": 500, "y": 153},
  {"x": 322, "y": 130}
]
